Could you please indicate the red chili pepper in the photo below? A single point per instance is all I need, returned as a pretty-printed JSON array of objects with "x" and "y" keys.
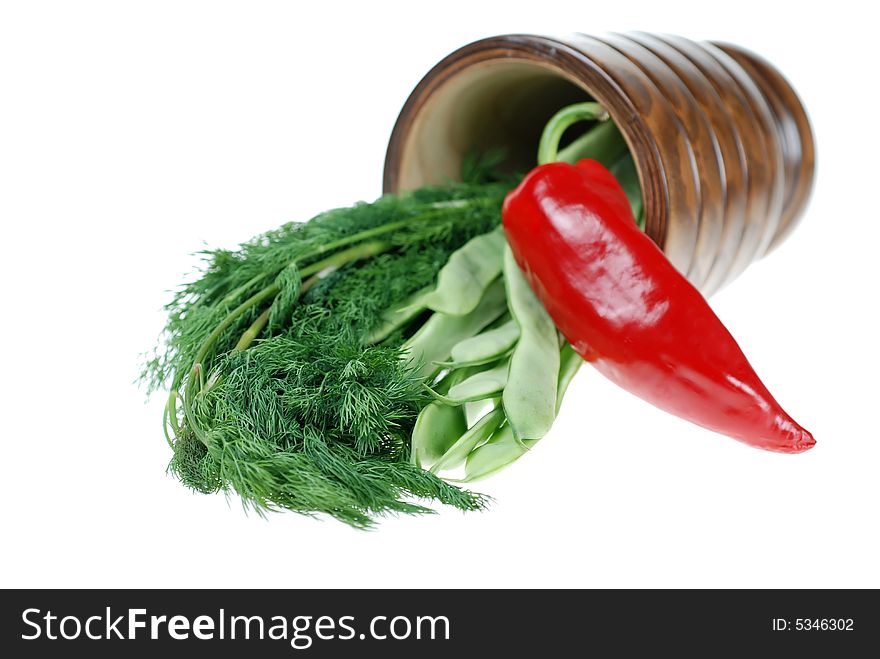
[{"x": 626, "y": 310}]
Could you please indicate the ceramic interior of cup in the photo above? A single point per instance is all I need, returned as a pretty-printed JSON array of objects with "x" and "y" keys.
[{"x": 493, "y": 103}]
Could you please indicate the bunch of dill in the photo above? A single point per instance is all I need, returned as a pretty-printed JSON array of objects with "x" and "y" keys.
[{"x": 276, "y": 393}]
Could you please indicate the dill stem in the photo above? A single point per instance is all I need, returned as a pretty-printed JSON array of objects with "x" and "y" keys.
[
  {"x": 169, "y": 418},
  {"x": 213, "y": 337},
  {"x": 232, "y": 316},
  {"x": 321, "y": 269},
  {"x": 361, "y": 236},
  {"x": 356, "y": 253},
  {"x": 308, "y": 283},
  {"x": 336, "y": 260},
  {"x": 393, "y": 226},
  {"x": 195, "y": 375},
  {"x": 253, "y": 331},
  {"x": 359, "y": 251},
  {"x": 244, "y": 287},
  {"x": 342, "y": 242},
  {"x": 348, "y": 240},
  {"x": 362, "y": 251},
  {"x": 198, "y": 369}
]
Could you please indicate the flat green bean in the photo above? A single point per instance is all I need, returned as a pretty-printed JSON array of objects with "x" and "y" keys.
[
  {"x": 437, "y": 428},
  {"x": 481, "y": 385},
  {"x": 490, "y": 457},
  {"x": 435, "y": 339},
  {"x": 530, "y": 395},
  {"x": 485, "y": 346},
  {"x": 569, "y": 363},
  {"x": 502, "y": 449},
  {"x": 457, "y": 454},
  {"x": 439, "y": 425},
  {"x": 468, "y": 273}
]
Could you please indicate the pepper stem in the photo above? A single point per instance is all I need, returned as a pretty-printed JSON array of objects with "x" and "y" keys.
[
  {"x": 603, "y": 143},
  {"x": 548, "y": 147}
]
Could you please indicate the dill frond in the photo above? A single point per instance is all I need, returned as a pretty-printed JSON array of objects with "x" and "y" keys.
[{"x": 309, "y": 417}]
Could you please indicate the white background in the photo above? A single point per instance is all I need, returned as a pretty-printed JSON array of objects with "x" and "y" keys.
[{"x": 132, "y": 133}]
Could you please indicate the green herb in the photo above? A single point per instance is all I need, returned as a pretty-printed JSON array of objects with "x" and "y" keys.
[{"x": 277, "y": 393}]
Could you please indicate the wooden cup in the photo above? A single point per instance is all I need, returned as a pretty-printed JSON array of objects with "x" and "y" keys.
[{"x": 722, "y": 144}]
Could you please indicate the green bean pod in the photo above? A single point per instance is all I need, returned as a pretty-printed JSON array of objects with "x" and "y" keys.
[
  {"x": 502, "y": 449},
  {"x": 437, "y": 428},
  {"x": 441, "y": 332},
  {"x": 439, "y": 425},
  {"x": 569, "y": 363},
  {"x": 481, "y": 385},
  {"x": 530, "y": 395},
  {"x": 467, "y": 274},
  {"x": 485, "y": 347},
  {"x": 457, "y": 454}
]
